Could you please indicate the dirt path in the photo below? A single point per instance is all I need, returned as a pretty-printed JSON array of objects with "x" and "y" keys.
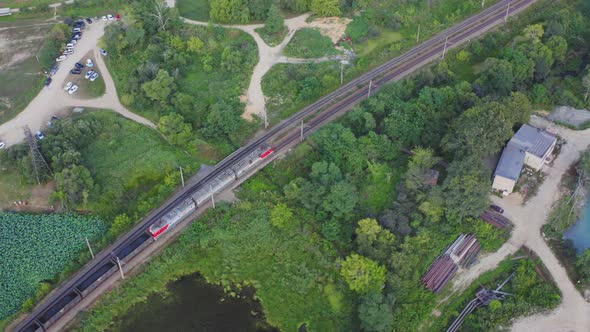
[
  {"x": 52, "y": 100},
  {"x": 573, "y": 314},
  {"x": 269, "y": 56}
]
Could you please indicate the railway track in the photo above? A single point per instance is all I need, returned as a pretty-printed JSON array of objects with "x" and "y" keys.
[{"x": 284, "y": 134}]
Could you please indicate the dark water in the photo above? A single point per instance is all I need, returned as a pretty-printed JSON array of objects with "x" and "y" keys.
[
  {"x": 579, "y": 233},
  {"x": 194, "y": 305}
]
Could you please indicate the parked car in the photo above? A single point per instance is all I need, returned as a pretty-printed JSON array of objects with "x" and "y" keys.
[
  {"x": 88, "y": 20},
  {"x": 104, "y": 18},
  {"x": 77, "y": 36},
  {"x": 68, "y": 52},
  {"x": 110, "y": 17},
  {"x": 68, "y": 86},
  {"x": 2, "y": 145},
  {"x": 103, "y": 51},
  {"x": 75, "y": 71},
  {"x": 89, "y": 63},
  {"x": 496, "y": 208},
  {"x": 77, "y": 30},
  {"x": 60, "y": 58},
  {"x": 94, "y": 77},
  {"x": 118, "y": 17},
  {"x": 50, "y": 122},
  {"x": 40, "y": 135},
  {"x": 88, "y": 74},
  {"x": 73, "y": 89},
  {"x": 79, "y": 65},
  {"x": 53, "y": 70},
  {"x": 74, "y": 41},
  {"x": 48, "y": 81}
]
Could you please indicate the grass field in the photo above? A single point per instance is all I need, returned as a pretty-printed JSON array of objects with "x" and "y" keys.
[
  {"x": 309, "y": 43},
  {"x": 88, "y": 89},
  {"x": 126, "y": 151},
  {"x": 19, "y": 44},
  {"x": 12, "y": 188},
  {"x": 194, "y": 9},
  {"x": 272, "y": 39}
]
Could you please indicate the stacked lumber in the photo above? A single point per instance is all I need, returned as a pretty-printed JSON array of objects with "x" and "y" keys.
[
  {"x": 462, "y": 252},
  {"x": 495, "y": 219}
]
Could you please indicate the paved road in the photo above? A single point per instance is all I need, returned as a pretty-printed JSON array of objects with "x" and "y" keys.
[
  {"x": 573, "y": 314},
  {"x": 53, "y": 100}
]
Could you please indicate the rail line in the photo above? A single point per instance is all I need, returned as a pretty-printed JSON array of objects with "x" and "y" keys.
[{"x": 105, "y": 264}]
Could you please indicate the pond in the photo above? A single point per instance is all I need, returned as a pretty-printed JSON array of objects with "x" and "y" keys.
[
  {"x": 579, "y": 233},
  {"x": 192, "y": 304}
]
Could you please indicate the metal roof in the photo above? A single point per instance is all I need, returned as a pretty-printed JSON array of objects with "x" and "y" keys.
[
  {"x": 510, "y": 163},
  {"x": 532, "y": 140}
]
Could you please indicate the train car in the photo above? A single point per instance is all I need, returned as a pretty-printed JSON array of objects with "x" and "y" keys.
[{"x": 171, "y": 218}]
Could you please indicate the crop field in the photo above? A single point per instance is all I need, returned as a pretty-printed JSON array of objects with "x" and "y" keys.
[
  {"x": 310, "y": 43},
  {"x": 34, "y": 249},
  {"x": 19, "y": 44}
]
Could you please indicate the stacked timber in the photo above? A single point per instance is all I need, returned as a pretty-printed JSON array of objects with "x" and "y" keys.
[
  {"x": 495, "y": 219},
  {"x": 462, "y": 252}
]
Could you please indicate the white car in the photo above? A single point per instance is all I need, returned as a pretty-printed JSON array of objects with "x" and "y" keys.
[
  {"x": 104, "y": 18},
  {"x": 68, "y": 52},
  {"x": 68, "y": 86},
  {"x": 88, "y": 74},
  {"x": 70, "y": 45},
  {"x": 77, "y": 30},
  {"x": 60, "y": 58},
  {"x": 110, "y": 17},
  {"x": 103, "y": 51},
  {"x": 94, "y": 77},
  {"x": 2, "y": 145},
  {"x": 89, "y": 63},
  {"x": 73, "y": 89}
]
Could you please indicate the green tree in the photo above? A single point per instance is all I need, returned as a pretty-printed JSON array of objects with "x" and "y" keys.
[
  {"x": 275, "y": 21},
  {"x": 497, "y": 76},
  {"x": 159, "y": 88},
  {"x": 223, "y": 119},
  {"x": 374, "y": 241},
  {"x": 134, "y": 35},
  {"x": 362, "y": 274},
  {"x": 586, "y": 84},
  {"x": 341, "y": 200},
  {"x": 420, "y": 164},
  {"x": 466, "y": 189},
  {"x": 121, "y": 223},
  {"x": 195, "y": 45},
  {"x": 583, "y": 265},
  {"x": 558, "y": 45},
  {"x": 534, "y": 32},
  {"x": 281, "y": 215},
  {"x": 175, "y": 129},
  {"x": 325, "y": 7},
  {"x": 229, "y": 11},
  {"x": 75, "y": 182},
  {"x": 376, "y": 313},
  {"x": 544, "y": 61}
]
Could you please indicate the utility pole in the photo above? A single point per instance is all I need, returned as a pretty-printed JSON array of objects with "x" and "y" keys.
[
  {"x": 301, "y": 135},
  {"x": 445, "y": 48},
  {"x": 89, "y": 248},
  {"x": 181, "y": 175},
  {"x": 212, "y": 196},
  {"x": 369, "y": 93},
  {"x": 418, "y": 34},
  {"x": 483, "y": 3},
  {"x": 507, "y": 11},
  {"x": 120, "y": 268},
  {"x": 341, "y": 73},
  {"x": 265, "y": 118}
]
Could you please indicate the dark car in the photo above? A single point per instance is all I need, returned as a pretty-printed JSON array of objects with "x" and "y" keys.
[
  {"x": 79, "y": 65},
  {"x": 48, "y": 81},
  {"x": 88, "y": 20},
  {"x": 75, "y": 71},
  {"x": 497, "y": 208},
  {"x": 53, "y": 70}
]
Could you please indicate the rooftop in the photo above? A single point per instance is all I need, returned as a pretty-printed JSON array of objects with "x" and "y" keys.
[
  {"x": 532, "y": 140},
  {"x": 510, "y": 163}
]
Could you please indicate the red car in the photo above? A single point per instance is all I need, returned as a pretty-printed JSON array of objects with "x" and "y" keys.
[{"x": 118, "y": 17}]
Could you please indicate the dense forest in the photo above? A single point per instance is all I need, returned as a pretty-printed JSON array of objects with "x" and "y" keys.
[{"x": 338, "y": 234}]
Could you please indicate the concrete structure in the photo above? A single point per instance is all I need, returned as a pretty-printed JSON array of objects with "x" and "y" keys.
[{"x": 530, "y": 146}]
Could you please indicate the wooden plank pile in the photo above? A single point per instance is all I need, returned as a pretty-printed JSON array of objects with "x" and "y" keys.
[
  {"x": 462, "y": 252},
  {"x": 495, "y": 219}
]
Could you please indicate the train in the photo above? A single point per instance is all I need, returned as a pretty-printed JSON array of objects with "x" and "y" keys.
[
  {"x": 207, "y": 190},
  {"x": 187, "y": 206}
]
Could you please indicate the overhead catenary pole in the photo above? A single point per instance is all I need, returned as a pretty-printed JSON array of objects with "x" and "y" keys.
[
  {"x": 418, "y": 34},
  {"x": 483, "y": 3},
  {"x": 301, "y": 135},
  {"x": 212, "y": 196},
  {"x": 507, "y": 11},
  {"x": 181, "y": 175},
  {"x": 89, "y": 248},
  {"x": 341, "y": 73},
  {"x": 370, "y": 84},
  {"x": 120, "y": 268},
  {"x": 265, "y": 118},
  {"x": 445, "y": 47}
]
